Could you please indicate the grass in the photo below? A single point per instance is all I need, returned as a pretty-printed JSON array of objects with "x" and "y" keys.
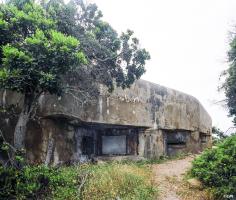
[
  {"x": 124, "y": 180},
  {"x": 160, "y": 160},
  {"x": 185, "y": 191},
  {"x": 118, "y": 181},
  {"x": 105, "y": 181}
]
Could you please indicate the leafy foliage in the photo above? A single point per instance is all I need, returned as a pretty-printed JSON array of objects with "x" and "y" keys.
[
  {"x": 36, "y": 182},
  {"x": 216, "y": 168},
  {"x": 20, "y": 19},
  {"x": 229, "y": 85},
  {"x": 38, "y": 39},
  {"x": 112, "y": 59},
  {"x": 106, "y": 181},
  {"x": 35, "y": 55}
]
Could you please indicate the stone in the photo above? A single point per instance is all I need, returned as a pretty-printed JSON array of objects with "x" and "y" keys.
[{"x": 195, "y": 183}]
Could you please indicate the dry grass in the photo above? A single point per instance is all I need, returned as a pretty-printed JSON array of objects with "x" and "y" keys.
[
  {"x": 171, "y": 179},
  {"x": 186, "y": 192},
  {"x": 113, "y": 181}
]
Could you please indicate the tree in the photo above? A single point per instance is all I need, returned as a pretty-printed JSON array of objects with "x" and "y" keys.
[
  {"x": 116, "y": 61},
  {"x": 43, "y": 43},
  {"x": 217, "y": 135},
  {"x": 34, "y": 55},
  {"x": 229, "y": 85}
]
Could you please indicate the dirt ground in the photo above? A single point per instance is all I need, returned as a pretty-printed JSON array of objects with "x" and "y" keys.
[{"x": 169, "y": 178}]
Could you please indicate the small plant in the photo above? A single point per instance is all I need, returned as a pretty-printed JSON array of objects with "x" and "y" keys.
[{"x": 216, "y": 168}]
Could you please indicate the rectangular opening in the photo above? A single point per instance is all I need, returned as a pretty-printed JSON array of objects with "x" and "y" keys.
[
  {"x": 176, "y": 138},
  {"x": 114, "y": 145},
  {"x": 176, "y": 142},
  {"x": 203, "y": 138}
]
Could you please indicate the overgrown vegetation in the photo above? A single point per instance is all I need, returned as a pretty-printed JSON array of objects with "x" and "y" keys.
[
  {"x": 126, "y": 181},
  {"x": 105, "y": 181},
  {"x": 216, "y": 168}
]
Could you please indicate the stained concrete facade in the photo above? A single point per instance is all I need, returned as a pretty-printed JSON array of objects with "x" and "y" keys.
[{"x": 146, "y": 120}]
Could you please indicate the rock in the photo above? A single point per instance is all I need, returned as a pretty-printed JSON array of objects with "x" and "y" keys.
[{"x": 194, "y": 183}]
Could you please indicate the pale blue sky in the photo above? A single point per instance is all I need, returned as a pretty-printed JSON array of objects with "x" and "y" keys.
[{"x": 187, "y": 39}]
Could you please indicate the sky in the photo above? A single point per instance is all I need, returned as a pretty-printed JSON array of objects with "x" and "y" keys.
[{"x": 188, "y": 42}]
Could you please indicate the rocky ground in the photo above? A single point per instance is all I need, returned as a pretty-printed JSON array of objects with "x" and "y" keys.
[{"x": 171, "y": 182}]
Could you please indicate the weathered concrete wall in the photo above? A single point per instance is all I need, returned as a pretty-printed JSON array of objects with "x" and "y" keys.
[
  {"x": 57, "y": 133},
  {"x": 144, "y": 104},
  {"x": 151, "y": 144}
]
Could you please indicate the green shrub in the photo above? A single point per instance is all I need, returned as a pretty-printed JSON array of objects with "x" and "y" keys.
[
  {"x": 216, "y": 168},
  {"x": 106, "y": 181},
  {"x": 32, "y": 182}
]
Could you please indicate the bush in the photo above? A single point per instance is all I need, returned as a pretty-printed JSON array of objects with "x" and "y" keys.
[
  {"x": 216, "y": 168},
  {"x": 34, "y": 182},
  {"x": 99, "y": 182}
]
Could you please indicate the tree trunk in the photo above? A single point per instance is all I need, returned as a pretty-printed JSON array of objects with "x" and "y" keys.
[
  {"x": 20, "y": 129},
  {"x": 49, "y": 151}
]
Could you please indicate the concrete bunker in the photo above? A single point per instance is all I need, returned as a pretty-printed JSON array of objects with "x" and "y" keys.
[{"x": 146, "y": 120}]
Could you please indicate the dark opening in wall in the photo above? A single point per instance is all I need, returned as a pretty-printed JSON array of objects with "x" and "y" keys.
[
  {"x": 176, "y": 141},
  {"x": 204, "y": 137},
  {"x": 87, "y": 145},
  {"x": 117, "y": 142},
  {"x": 176, "y": 138},
  {"x": 106, "y": 140}
]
